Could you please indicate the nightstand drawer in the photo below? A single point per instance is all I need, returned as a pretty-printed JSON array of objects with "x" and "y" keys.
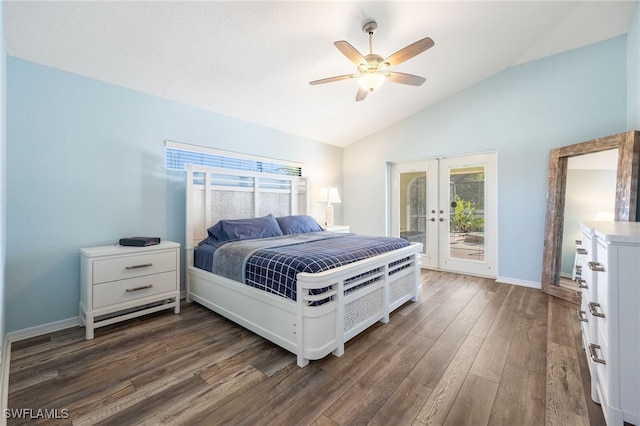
[
  {"x": 126, "y": 267},
  {"x": 135, "y": 288}
]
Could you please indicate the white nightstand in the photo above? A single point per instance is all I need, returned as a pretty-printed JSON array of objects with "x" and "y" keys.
[
  {"x": 337, "y": 228},
  {"x": 118, "y": 283}
]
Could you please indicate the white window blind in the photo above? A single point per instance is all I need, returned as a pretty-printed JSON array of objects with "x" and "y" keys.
[{"x": 178, "y": 155}]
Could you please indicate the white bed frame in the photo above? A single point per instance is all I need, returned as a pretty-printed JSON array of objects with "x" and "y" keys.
[{"x": 310, "y": 332}]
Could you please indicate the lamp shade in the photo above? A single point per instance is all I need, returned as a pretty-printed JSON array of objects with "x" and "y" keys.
[{"x": 329, "y": 195}]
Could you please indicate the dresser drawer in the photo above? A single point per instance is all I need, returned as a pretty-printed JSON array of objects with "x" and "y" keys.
[
  {"x": 125, "y": 267},
  {"x": 134, "y": 288}
]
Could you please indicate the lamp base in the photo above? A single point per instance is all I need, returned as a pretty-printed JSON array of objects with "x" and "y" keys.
[{"x": 329, "y": 215}]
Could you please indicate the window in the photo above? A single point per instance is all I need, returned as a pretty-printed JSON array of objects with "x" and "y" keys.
[{"x": 178, "y": 155}]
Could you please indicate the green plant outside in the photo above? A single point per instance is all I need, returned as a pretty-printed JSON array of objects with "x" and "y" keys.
[{"x": 465, "y": 220}]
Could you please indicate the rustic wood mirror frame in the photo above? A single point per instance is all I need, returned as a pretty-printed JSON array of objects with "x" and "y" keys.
[{"x": 628, "y": 145}]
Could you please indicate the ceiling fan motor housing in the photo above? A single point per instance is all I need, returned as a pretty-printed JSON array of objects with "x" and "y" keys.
[{"x": 374, "y": 63}]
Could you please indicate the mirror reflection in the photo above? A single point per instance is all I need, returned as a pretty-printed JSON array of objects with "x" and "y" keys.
[{"x": 590, "y": 195}]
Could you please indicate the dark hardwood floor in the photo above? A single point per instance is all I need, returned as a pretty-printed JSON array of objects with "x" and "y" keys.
[{"x": 471, "y": 351}]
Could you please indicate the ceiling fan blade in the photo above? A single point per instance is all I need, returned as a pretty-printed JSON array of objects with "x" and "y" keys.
[
  {"x": 331, "y": 79},
  {"x": 402, "y": 78},
  {"x": 362, "y": 93},
  {"x": 410, "y": 51},
  {"x": 350, "y": 52}
]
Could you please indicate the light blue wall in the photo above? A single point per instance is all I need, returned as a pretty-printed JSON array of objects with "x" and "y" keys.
[
  {"x": 633, "y": 71},
  {"x": 521, "y": 113},
  {"x": 86, "y": 167}
]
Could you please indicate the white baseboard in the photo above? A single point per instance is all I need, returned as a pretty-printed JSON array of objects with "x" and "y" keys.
[
  {"x": 39, "y": 330},
  {"x": 522, "y": 283}
]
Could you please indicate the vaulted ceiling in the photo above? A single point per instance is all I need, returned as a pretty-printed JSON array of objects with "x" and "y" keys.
[{"x": 254, "y": 60}]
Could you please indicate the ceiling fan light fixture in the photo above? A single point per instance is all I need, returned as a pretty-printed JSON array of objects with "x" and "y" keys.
[
  {"x": 372, "y": 80},
  {"x": 373, "y": 68}
]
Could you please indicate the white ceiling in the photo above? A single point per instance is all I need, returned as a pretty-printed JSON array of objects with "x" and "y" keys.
[{"x": 253, "y": 60}]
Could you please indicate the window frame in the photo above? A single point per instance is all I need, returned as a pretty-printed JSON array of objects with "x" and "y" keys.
[{"x": 228, "y": 160}]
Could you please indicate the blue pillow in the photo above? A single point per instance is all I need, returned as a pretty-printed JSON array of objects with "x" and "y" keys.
[
  {"x": 298, "y": 224},
  {"x": 247, "y": 229},
  {"x": 216, "y": 233}
]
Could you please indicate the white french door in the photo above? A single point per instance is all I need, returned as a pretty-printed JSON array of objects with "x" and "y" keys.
[{"x": 448, "y": 205}]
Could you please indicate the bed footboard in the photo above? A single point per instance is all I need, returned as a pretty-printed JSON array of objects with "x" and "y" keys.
[{"x": 360, "y": 295}]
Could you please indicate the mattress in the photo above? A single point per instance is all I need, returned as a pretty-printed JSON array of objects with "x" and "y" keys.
[{"x": 272, "y": 264}]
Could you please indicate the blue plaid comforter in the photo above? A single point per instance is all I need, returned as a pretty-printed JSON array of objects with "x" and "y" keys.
[{"x": 274, "y": 268}]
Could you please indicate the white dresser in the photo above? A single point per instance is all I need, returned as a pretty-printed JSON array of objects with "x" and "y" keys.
[
  {"x": 118, "y": 283},
  {"x": 610, "y": 316}
]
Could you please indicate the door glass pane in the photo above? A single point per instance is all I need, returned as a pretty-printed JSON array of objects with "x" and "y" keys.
[
  {"x": 413, "y": 207},
  {"x": 466, "y": 213}
]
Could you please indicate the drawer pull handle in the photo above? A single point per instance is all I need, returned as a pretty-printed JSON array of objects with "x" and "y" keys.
[
  {"x": 582, "y": 316},
  {"x": 581, "y": 283},
  {"x": 595, "y": 266},
  {"x": 144, "y": 287},
  {"x": 593, "y": 308},
  {"x": 593, "y": 353},
  {"x": 142, "y": 265},
  {"x": 581, "y": 251}
]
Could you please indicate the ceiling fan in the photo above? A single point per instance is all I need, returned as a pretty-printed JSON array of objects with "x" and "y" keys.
[{"x": 372, "y": 68}]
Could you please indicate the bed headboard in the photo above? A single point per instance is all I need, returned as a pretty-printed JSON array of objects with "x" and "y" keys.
[{"x": 215, "y": 193}]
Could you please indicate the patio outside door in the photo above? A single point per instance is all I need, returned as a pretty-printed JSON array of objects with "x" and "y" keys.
[{"x": 448, "y": 205}]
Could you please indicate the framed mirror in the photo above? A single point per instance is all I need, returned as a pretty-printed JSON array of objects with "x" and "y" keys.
[{"x": 626, "y": 200}]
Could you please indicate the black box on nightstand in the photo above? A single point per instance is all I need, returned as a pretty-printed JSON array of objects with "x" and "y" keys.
[{"x": 139, "y": 241}]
